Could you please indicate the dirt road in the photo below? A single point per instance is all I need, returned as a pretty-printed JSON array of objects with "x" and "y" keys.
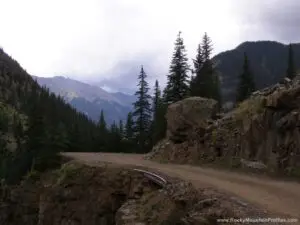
[{"x": 279, "y": 197}]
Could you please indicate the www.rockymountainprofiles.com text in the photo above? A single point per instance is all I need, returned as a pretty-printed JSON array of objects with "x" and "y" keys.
[{"x": 257, "y": 220}]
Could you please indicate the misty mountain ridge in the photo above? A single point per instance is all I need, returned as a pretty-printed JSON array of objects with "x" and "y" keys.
[
  {"x": 70, "y": 88},
  {"x": 90, "y": 99}
]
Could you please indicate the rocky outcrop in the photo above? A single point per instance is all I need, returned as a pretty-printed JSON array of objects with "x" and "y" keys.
[
  {"x": 184, "y": 116},
  {"x": 186, "y": 121},
  {"x": 109, "y": 195},
  {"x": 262, "y": 133}
]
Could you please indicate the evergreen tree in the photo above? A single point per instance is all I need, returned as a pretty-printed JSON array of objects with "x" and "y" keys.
[
  {"x": 102, "y": 123},
  {"x": 121, "y": 128},
  {"x": 159, "y": 121},
  {"x": 76, "y": 144},
  {"x": 291, "y": 73},
  {"x": 59, "y": 137},
  {"x": 102, "y": 133},
  {"x": 156, "y": 99},
  {"x": 195, "y": 85},
  {"x": 206, "y": 82},
  {"x": 142, "y": 113},
  {"x": 246, "y": 85},
  {"x": 5, "y": 158},
  {"x": 206, "y": 47},
  {"x": 202, "y": 84},
  {"x": 39, "y": 145},
  {"x": 129, "y": 132},
  {"x": 206, "y": 74},
  {"x": 177, "y": 80},
  {"x": 128, "y": 141},
  {"x": 114, "y": 139},
  {"x": 4, "y": 122},
  {"x": 18, "y": 130},
  {"x": 114, "y": 128}
]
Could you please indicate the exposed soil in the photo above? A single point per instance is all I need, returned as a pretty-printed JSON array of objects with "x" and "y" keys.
[{"x": 280, "y": 198}]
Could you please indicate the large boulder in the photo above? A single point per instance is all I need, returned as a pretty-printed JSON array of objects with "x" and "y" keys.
[
  {"x": 284, "y": 99},
  {"x": 184, "y": 116}
]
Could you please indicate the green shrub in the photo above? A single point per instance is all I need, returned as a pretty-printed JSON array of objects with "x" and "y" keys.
[
  {"x": 32, "y": 175},
  {"x": 67, "y": 171},
  {"x": 249, "y": 107}
]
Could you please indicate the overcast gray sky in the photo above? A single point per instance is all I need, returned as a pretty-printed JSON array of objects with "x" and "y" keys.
[{"x": 108, "y": 40}]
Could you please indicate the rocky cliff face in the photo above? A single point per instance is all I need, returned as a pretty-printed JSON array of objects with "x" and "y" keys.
[
  {"x": 261, "y": 133},
  {"x": 107, "y": 195}
]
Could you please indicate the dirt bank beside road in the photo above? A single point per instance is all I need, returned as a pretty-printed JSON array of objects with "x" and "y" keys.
[{"x": 278, "y": 197}]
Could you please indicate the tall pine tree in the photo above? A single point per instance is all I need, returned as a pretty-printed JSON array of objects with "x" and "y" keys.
[
  {"x": 121, "y": 129},
  {"x": 206, "y": 82},
  {"x": 177, "y": 80},
  {"x": 196, "y": 84},
  {"x": 291, "y": 73},
  {"x": 102, "y": 136},
  {"x": 156, "y": 99},
  {"x": 114, "y": 138},
  {"x": 142, "y": 113},
  {"x": 128, "y": 141},
  {"x": 129, "y": 132},
  {"x": 102, "y": 123},
  {"x": 206, "y": 47},
  {"x": 159, "y": 121},
  {"x": 246, "y": 85}
]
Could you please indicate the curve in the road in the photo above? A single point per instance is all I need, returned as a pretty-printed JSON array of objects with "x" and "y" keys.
[{"x": 280, "y": 197}]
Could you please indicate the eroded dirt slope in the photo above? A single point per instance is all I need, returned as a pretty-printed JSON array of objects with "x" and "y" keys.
[
  {"x": 275, "y": 197},
  {"x": 114, "y": 194}
]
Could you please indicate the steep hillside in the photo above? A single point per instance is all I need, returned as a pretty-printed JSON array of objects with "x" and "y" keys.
[
  {"x": 35, "y": 124},
  {"x": 262, "y": 133},
  {"x": 112, "y": 110},
  {"x": 268, "y": 61},
  {"x": 11, "y": 122},
  {"x": 124, "y": 98},
  {"x": 90, "y": 99}
]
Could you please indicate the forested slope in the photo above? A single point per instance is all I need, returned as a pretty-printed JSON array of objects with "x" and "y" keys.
[
  {"x": 268, "y": 63},
  {"x": 35, "y": 124}
]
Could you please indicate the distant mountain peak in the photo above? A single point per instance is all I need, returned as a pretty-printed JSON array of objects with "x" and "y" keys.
[
  {"x": 89, "y": 99},
  {"x": 60, "y": 77},
  {"x": 248, "y": 44}
]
